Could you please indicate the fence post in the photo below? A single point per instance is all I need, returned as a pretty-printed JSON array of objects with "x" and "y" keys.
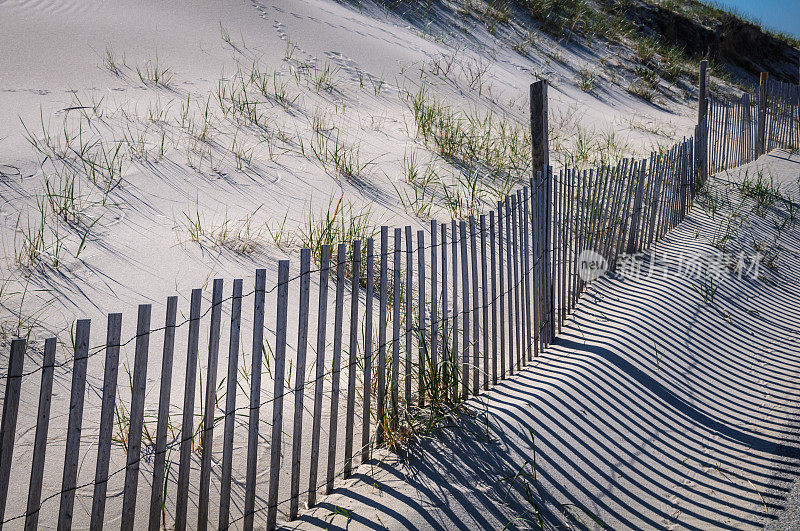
[
  {"x": 541, "y": 161},
  {"x": 762, "y": 115},
  {"x": 702, "y": 113},
  {"x": 702, "y": 93},
  {"x": 540, "y": 148}
]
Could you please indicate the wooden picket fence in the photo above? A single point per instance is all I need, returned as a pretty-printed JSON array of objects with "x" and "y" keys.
[
  {"x": 743, "y": 129},
  {"x": 421, "y": 321}
]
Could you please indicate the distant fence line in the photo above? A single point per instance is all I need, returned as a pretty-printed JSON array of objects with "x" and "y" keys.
[{"x": 459, "y": 308}]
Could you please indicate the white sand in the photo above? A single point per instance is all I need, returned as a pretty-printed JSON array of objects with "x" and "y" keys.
[
  {"x": 140, "y": 250},
  {"x": 652, "y": 410}
]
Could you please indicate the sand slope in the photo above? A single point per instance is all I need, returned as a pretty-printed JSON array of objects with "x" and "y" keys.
[
  {"x": 653, "y": 410},
  {"x": 57, "y": 81}
]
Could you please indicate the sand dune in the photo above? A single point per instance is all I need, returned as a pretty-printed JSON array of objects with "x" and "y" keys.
[
  {"x": 653, "y": 410},
  {"x": 198, "y": 188}
]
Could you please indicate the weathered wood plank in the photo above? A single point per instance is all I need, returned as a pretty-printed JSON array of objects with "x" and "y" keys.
[
  {"x": 110, "y": 372},
  {"x": 276, "y": 440},
  {"x": 493, "y": 292},
  {"x": 476, "y": 309},
  {"x": 465, "y": 361},
  {"x": 40, "y": 439},
  {"x": 322, "y": 323},
  {"x": 230, "y": 405},
  {"x": 484, "y": 302},
  {"x": 434, "y": 350},
  {"x": 409, "y": 316},
  {"x": 446, "y": 352},
  {"x": 501, "y": 285},
  {"x": 142, "y": 351},
  {"x": 255, "y": 399},
  {"x": 368, "y": 350},
  {"x": 207, "y": 440},
  {"x": 72, "y": 450},
  {"x": 422, "y": 336},
  {"x": 455, "y": 359},
  {"x": 8, "y": 426},
  {"x": 355, "y": 294},
  {"x": 300, "y": 380},
  {"x": 396, "y": 294},
  {"x": 382, "y": 323},
  {"x": 336, "y": 363}
]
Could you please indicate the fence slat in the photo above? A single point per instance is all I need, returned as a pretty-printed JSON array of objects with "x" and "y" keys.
[
  {"x": 568, "y": 192},
  {"x": 476, "y": 309},
  {"x": 207, "y": 441},
  {"x": 8, "y": 426},
  {"x": 493, "y": 292},
  {"x": 187, "y": 426},
  {"x": 277, "y": 394},
  {"x": 509, "y": 284},
  {"x": 136, "y": 417},
  {"x": 525, "y": 212},
  {"x": 322, "y": 323},
  {"x": 255, "y": 398},
  {"x": 447, "y": 369},
  {"x": 366, "y": 410},
  {"x": 409, "y": 317},
  {"x": 501, "y": 289},
  {"x": 549, "y": 289},
  {"x": 396, "y": 293},
  {"x": 536, "y": 273},
  {"x": 422, "y": 337},
  {"x": 382, "y": 323},
  {"x": 454, "y": 361},
  {"x": 110, "y": 372},
  {"x": 465, "y": 361},
  {"x": 300, "y": 380},
  {"x": 577, "y": 240},
  {"x": 485, "y": 302},
  {"x": 72, "y": 450},
  {"x": 336, "y": 364},
  {"x": 517, "y": 309},
  {"x": 40, "y": 439},
  {"x": 230, "y": 405},
  {"x": 159, "y": 456},
  {"x": 353, "y": 359},
  {"x": 434, "y": 350}
]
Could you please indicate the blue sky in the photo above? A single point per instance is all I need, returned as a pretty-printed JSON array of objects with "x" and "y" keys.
[{"x": 782, "y": 15}]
